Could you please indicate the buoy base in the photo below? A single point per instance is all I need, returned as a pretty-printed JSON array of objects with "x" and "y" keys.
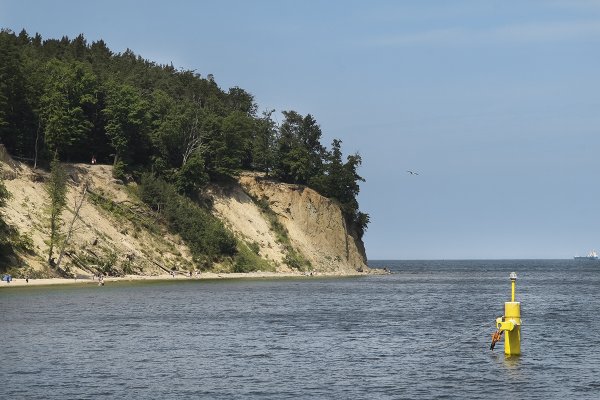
[
  {"x": 512, "y": 342},
  {"x": 512, "y": 337}
]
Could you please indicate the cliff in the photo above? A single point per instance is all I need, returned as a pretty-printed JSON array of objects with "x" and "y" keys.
[
  {"x": 116, "y": 232},
  {"x": 106, "y": 236},
  {"x": 314, "y": 224}
]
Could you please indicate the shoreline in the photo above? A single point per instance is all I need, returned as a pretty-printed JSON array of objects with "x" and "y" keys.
[{"x": 20, "y": 282}]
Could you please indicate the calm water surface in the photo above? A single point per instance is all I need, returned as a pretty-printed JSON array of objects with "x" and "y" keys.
[{"x": 422, "y": 332}]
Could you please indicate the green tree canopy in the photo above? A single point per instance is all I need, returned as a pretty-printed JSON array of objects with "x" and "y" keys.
[
  {"x": 69, "y": 91},
  {"x": 74, "y": 99},
  {"x": 299, "y": 151},
  {"x": 126, "y": 120},
  {"x": 263, "y": 145}
]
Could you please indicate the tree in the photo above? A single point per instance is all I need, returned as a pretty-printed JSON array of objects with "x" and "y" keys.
[
  {"x": 99, "y": 56},
  {"x": 177, "y": 133},
  {"x": 299, "y": 151},
  {"x": 56, "y": 188},
  {"x": 226, "y": 143},
  {"x": 264, "y": 143},
  {"x": 69, "y": 89},
  {"x": 340, "y": 181},
  {"x": 10, "y": 75},
  {"x": 192, "y": 175},
  {"x": 126, "y": 121},
  {"x": 14, "y": 110},
  {"x": 192, "y": 138},
  {"x": 77, "y": 208},
  {"x": 237, "y": 133},
  {"x": 240, "y": 100},
  {"x": 79, "y": 47}
]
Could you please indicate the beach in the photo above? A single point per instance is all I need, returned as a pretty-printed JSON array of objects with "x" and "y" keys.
[{"x": 19, "y": 282}]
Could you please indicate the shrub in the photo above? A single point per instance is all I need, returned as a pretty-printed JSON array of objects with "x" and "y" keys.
[
  {"x": 247, "y": 260},
  {"x": 192, "y": 176},
  {"x": 204, "y": 234},
  {"x": 255, "y": 247},
  {"x": 119, "y": 170}
]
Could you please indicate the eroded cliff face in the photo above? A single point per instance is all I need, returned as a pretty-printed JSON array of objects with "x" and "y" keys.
[
  {"x": 112, "y": 227},
  {"x": 99, "y": 238},
  {"x": 315, "y": 224}
]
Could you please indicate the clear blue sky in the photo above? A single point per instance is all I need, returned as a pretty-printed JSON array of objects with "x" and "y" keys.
[{"x": 495, "y": 103}]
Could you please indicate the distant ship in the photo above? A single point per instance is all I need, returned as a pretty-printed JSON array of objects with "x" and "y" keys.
[{"x": 592, "y": 255}]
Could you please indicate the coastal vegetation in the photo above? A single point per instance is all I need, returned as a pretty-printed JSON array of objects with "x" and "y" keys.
[
  {"x": 174, "y": 132},
  {"x": 4, "y": 194},
  {"x": 11, "y": 241},
  {"x": 205, "y": 235},
  {"x": 5, "y": 231},
  {"x": 56, "y": 188}
]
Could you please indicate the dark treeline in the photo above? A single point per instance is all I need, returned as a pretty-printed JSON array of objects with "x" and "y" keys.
[{"x": 73, "y": 100}]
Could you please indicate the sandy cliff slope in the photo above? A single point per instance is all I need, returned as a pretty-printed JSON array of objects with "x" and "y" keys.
[
  {"x": 315, "y": 224},
  {"x": 99, "y": 237},
  {"x": 114, "y": 229}
]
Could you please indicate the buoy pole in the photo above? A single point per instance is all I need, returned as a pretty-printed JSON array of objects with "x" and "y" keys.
[
  {"x": 510, "y": 323},
  {"x": 513, "y": 283}
]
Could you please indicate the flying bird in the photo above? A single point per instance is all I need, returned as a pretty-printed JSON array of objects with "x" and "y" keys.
[{"x": 413, "y": 173}]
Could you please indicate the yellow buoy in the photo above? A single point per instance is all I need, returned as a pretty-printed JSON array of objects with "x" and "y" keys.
[{"x": 510, "y": 323}]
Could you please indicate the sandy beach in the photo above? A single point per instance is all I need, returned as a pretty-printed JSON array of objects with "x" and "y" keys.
[{"x": 167, "y": 277}]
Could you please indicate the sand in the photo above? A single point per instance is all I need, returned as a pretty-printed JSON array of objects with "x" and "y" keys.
[{"x": 166, "y": 277}]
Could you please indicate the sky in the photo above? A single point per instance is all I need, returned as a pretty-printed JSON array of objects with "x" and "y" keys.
[{"x": 495, "y": 104}]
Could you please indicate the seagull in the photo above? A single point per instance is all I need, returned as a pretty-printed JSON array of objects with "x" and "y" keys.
[{"x": 413, "y": 173}]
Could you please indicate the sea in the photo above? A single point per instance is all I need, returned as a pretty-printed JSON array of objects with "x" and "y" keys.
[{"x": 421, "y": 332}]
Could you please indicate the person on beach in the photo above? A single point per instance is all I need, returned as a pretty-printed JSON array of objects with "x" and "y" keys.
[{"x": 27, "y": 279}]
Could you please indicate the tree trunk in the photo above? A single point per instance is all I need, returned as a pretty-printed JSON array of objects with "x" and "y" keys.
[
  {"x": 50, "y": 252},
  {"x": 37, "y": 136},
  {"x": 70, "y": 231}
]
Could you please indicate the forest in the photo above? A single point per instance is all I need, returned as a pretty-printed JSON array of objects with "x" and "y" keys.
[{"x": 70, "y": 100}]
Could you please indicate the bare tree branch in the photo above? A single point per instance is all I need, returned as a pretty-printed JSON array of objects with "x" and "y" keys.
[
  {"x": 75, "y": 216},
  {"x": 193, "y": 137}
]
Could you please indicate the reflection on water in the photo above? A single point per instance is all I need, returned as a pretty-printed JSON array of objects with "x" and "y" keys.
[
  {"x": 512, "y": 364},
  {"x": 422, "y": 332}
]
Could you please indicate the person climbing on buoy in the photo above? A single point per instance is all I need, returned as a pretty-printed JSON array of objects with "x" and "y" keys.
[{"x": 496, "y": 336}]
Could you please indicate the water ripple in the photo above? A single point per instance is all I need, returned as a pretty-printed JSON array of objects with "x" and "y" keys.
[{"x": 422, "y": 332}]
